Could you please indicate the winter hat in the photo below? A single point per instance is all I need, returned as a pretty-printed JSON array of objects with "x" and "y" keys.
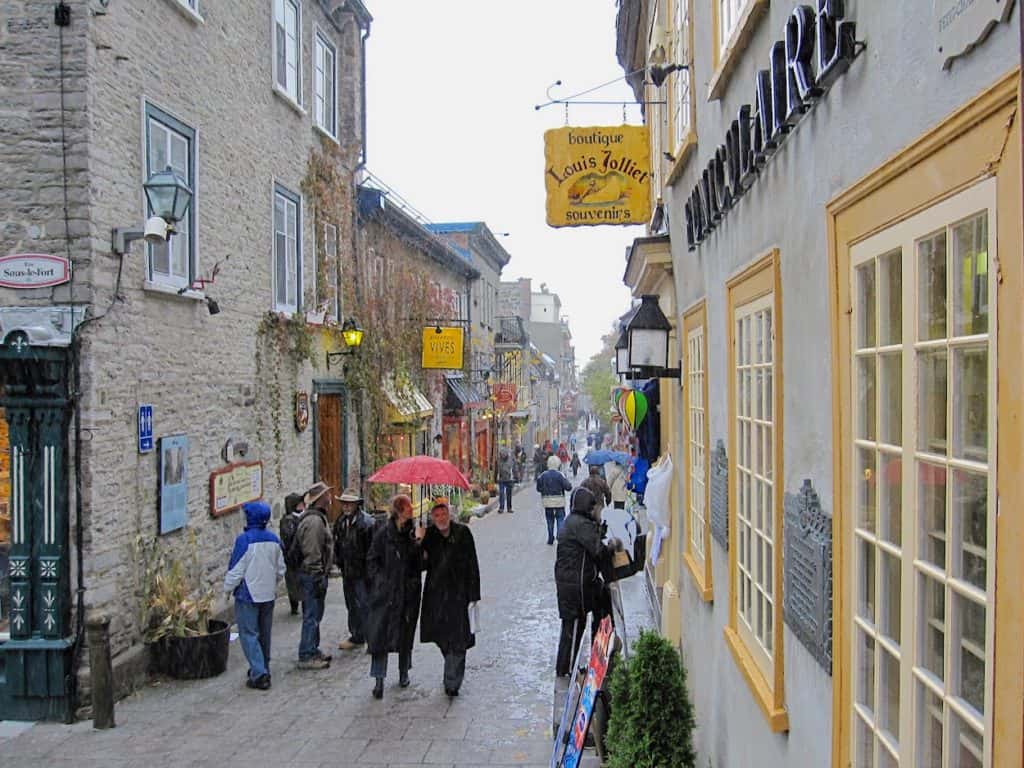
[
  {"x": 583, "y": 500},
  {"x": 257, "y": 514},
  {"x": 554, "y": 462}
]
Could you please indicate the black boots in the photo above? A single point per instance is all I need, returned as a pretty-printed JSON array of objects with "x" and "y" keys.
[
  {"x": 378, "y": 688},
  {"x": 403, "y": 679}
]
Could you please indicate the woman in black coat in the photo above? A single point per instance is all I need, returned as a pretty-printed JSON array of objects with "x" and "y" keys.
[
  {"x": 453, "y": 585},
  {"x": 579, "y": 561},
  {"x": 393, "y": 567}
]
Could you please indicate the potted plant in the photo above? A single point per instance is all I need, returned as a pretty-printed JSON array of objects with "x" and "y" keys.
[
  {"x": 652, "y": 720},
  {"x": 183, "y": 640}
]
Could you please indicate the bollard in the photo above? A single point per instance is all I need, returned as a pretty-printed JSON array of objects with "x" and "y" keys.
[{"x": 101, "y": 674}]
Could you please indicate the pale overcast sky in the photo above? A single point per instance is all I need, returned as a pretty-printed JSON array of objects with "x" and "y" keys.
[{"x": 451, "y": 89}]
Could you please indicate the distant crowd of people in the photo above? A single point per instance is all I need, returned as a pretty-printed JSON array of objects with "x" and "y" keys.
[{"x": 382, "y": 565}]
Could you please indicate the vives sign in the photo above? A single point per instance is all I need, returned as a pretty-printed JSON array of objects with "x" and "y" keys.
[
  {"x": 33, "y": 270},
  {"x": 818, "y": 48}
]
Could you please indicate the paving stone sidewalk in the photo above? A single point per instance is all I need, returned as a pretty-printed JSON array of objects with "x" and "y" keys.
[{"x": 328, "y": 718}]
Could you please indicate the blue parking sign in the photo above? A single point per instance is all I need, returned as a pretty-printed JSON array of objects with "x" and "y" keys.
[{"x": 145, "y": 428}]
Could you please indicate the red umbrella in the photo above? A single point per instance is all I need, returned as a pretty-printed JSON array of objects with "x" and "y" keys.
[{"x": 420, "y": 470}]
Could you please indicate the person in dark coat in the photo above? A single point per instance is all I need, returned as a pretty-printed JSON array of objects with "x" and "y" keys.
[
  {"x": 451, "y": 590},
  {"x": 353, "y": 533},
  {"x": 393, "y": 566},
  {"x": 574, "y": 464},
  {"x": 579, "y": 586},
  {"x": 293, "y": 509},
  {"x": 596, "y": 484}
]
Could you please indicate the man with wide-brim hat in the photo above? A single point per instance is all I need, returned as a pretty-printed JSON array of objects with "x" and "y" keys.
[
  {"x": 314, "y": 538},
  {"x": 353, "y": 533}
]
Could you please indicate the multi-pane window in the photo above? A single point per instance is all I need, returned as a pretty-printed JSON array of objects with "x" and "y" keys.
[
  {"x": 287, "y": 251},
  {"x": 729, "y": 13},
  {"x": 681, "y": 79},
  {"x": 696, "y": 448},
  {"x": 656, "y": 117},
  {"x": 287, "y": 51},
  {"x": 754, "y": 478},
  {"x": 328, "y": 299},
  {"x": 923, "y": 484},
  {"x": 171, "y": 143},
  {"x": 324, "y": 85}
]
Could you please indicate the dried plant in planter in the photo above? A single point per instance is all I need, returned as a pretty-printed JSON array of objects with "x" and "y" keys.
[{"x": 172, "y": 601}]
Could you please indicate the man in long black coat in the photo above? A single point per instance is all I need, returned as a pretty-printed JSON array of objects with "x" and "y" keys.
[
  {"x": 453, "y": 586},
  {"x": 579, "y": 561},
  {"x": 393, "y": 566}
]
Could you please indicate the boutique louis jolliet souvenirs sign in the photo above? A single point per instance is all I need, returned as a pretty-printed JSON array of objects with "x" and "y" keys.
[
  {"x": 597, "y": 175},
  {"x": 818, "y": 47}
]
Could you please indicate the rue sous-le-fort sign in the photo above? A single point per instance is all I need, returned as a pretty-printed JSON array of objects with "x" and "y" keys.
[{"x": 818, "y": 48}]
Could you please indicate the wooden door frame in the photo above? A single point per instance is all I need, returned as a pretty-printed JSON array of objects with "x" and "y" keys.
[{"x": 330, "y": 387}]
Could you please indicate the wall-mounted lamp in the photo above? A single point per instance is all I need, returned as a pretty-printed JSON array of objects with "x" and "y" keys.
[
  {"x": 168, "y": 196},
  {"x": 352, "y": 335},
  {"x": 647, "y": 341},
  {"x": 659, "y": 72},
  {"x": 212, "y": 306}
]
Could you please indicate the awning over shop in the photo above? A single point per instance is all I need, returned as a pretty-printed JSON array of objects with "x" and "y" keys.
[
  {"x": 519, "y": 415},
  {"x": 464, "y": 392},
  {"x": 408, "y": 403}
]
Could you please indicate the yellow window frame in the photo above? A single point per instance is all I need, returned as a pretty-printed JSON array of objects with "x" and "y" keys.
[
  {"x": 724, "y": 60},
  {"x": 698, "y": 563},
  {"x": 761, "y": 279}
]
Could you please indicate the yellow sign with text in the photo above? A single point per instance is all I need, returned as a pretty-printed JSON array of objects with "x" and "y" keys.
[
  {"x": 597, "y": 175},
  {"x": 442, "y": 348}
]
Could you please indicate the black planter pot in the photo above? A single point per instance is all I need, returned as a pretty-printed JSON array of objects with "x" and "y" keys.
[{"x": 192, "y": 658}]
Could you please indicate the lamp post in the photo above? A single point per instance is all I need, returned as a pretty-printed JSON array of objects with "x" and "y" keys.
[
  {"x": 647, "y": 349},
  {"x": 352, "y": 335},
  {"x": 169, "y": 197}
]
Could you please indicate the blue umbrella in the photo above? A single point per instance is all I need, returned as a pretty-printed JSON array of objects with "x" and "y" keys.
[{"x": 603, "y": 456}]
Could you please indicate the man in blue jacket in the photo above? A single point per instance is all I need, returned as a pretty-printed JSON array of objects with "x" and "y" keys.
[
  {"x": 552, "y": 485},
  {"x": 257, "y": 562}
]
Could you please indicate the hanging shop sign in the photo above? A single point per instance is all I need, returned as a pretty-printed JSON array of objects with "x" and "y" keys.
[
  {"x": 33, "y": 270},
  {"x": 505, "y": 396},
  {"x": 442, "y": 348},
  {"x": 960, "y": 25},
  {"x": 232, "y": 486},
  {"x": 597, "y": 175},
  {"x": 818, "y": 48}
]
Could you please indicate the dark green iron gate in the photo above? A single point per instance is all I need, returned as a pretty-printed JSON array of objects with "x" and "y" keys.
[{"x": 35, "y": 664}]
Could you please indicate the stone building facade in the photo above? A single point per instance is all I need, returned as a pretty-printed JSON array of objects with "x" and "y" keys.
[{"x": 241, "y": 101}]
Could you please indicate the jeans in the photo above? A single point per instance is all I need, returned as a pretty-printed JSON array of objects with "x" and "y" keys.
[
  {"x": 356, "y": 597},
  {"x": 312, "y": 614},
  {"x": 554, "y": 515},
  {"x": 254, "y": 624},
  {"x": 379, "y": 663},
  {"x": 505, "y": 495}
]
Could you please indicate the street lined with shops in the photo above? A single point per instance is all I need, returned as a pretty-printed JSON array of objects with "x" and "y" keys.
[{"x": 328, "y": 718}]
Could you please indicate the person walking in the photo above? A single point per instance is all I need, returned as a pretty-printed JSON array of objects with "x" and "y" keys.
[
  {"x": 393, "y": 565},
  {"x": 451, "y": 592},
  {"x": 579, "y": 586},
  {"x": 563, "y": 458},
  {"x": 256, "y": 564},
  {"x": 539, "y": 461},
  {"x": 293, "y": 509},
  {"x": 597, "y": 486},
  {"x": 506, "y": 480},
  {"x": 574, "y": 464},
  {"x": 315, "y": 543},
  {"x": 353, "y": 533},
  {"x": 615, "y": 476},
  {"x": 552, "y": 485}
]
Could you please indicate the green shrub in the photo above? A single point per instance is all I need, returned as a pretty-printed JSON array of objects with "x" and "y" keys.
[{"x": 652, "y": 719}]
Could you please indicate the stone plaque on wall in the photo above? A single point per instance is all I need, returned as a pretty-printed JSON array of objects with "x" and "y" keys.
[
  {"x": 960, "y": 25},
  {"x": 720, "y": 495},
  {"x": 808, "y": 573}
]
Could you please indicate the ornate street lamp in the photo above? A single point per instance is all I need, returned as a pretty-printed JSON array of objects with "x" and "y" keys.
[
  {"x": 647, "y": 333},
  {"x": 169, "y": 197},
  {"x": 352, "y": 335}
]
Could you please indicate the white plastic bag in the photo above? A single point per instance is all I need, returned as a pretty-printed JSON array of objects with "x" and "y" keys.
[
  {"x": 656, "y": 500},
  {"x": 474, "y": 618}
]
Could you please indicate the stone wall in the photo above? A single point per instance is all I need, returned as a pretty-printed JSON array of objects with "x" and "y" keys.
[{"x": 199, "y": 370}]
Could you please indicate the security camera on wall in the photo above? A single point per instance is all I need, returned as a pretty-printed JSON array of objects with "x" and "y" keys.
[{"x": 156, "y": 230}]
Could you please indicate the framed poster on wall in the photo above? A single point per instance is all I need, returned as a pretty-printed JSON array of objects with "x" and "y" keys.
[{"x": 173, "y": 478}]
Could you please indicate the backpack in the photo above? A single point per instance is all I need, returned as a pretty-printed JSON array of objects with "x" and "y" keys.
[{"x": 292, "y": 548}]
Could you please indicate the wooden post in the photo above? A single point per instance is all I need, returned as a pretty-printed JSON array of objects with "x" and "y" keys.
[{"x": 101, "y": 674}]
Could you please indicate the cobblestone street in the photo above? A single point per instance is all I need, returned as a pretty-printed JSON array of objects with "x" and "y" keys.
[{"x": 328, "y": 718}]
